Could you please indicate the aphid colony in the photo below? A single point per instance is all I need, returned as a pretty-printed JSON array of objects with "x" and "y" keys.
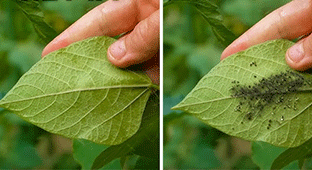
[{"x": 271, "y": 90}]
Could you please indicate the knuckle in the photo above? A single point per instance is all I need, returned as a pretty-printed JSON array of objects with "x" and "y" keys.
[
  {"x": 142, "y": 33},
  {"x": 148, "y": 29}
]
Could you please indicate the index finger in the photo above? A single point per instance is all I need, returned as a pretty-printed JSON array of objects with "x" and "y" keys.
[
  {"x": 110, "y": 18},
  {"x": 289, "y": 21}
]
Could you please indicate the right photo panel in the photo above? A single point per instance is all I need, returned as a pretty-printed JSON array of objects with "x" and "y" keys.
[{"x": 237, "y": 84}]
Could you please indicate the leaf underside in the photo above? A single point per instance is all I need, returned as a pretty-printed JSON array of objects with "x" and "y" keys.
[
  {"x": 76, "y": 92},
  {"x": 256, "y": 96}
]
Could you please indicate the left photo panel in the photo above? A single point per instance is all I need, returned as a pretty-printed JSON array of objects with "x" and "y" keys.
[{"x": 80, "y": 84}]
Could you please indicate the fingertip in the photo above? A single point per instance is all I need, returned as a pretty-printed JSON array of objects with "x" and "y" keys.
[
  {"x": 225, "y": 54},
  {"x": 57, "y": 43},
  {"x": 298, "y": 58},
  {"x": 117, "y": 54},
  {"x": 122, "y": 62},
  {"x": 238, "y": 45},
  {"x": 118, "y": 49}
]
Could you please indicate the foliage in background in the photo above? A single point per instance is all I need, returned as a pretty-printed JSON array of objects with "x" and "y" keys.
[
  {"x": 190, "y": 50},
  {"x": 26, "y": 27}
]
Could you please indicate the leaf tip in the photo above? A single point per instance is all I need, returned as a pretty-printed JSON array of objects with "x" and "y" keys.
[{"x": 176, "y": 107}]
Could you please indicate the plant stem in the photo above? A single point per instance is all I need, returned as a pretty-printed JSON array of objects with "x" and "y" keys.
[{"x": 155, "y": 86}]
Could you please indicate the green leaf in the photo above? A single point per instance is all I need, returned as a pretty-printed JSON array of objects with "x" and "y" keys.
[
  {"x": 76, "y": 92},
  {"x": 263, "y": 154},
  {"x": 298, "y": 153},
  {"x": 190, "y": 144},
  {"x": 144, "y": 143},
  {"x": 85, "y": 153},
  {"x": 35, "y": 15},
  {"x": 166, "y": 2},
  {"x": 211, "y": 14},
  {"x": 250, "y": 11},
  {"x": 146, "y": 163},
  {"x": 256, "y": 96},
  {"x": 71, "y": 10}
]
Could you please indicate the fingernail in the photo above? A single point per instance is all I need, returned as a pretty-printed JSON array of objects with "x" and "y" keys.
[
  {"x": 118, "y": 50},
  {"x": 296, "y": 52}
]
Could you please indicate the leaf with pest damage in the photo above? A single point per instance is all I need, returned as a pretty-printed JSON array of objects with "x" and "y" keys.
[
  {"x": 76, "y": 92},
  {"x": 256, "y": 96}
]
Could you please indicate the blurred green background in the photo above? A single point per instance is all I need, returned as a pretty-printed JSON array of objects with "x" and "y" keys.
[
  {"x": 22, "y": 145},
  {"x": 190, "y": 51}
]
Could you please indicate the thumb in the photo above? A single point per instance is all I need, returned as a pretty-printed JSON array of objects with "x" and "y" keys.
[
  {"x": 299, "y": 56},
  {"x": 139, "y": 45}
]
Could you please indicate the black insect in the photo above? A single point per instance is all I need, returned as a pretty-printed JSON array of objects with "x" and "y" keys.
[
  {"x": 268, "y": 91},
  {"x": 253, "y": 64}
]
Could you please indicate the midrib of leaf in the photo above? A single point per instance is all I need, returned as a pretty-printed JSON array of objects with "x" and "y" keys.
[
  {"x": 78, "y": 90},
  {"x": 307, "y": 90},
  {"x": 199, "y": 103}
]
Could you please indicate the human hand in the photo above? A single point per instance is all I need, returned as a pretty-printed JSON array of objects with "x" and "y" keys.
[
  {"x": 139, "y": 18},
  {"x": 289, "y": 22}
]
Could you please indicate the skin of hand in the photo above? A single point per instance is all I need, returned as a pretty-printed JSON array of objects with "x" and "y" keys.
[
  {"x": 139, "y": 19},
  {"x": 288, "y": 22}
]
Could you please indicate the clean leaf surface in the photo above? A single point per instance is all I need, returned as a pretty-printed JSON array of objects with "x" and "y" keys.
[
  {"x": 255, "y": 95},
  {"x": 76, "y": 92}
]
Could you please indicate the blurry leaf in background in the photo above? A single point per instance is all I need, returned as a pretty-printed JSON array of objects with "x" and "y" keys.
[
  {"x": 4, "y": 66},
  {"x": 188, "y": 147},
  {"x": 180, "y": 78},
  {"x": 167, "y": 121},
  {"x": 35, "y": 15},
  {"x": 251, "y": 11},
  {"x": 204, "y": 58},
  {"x": 25, "y": 55},
  {"x": 211, "y": 14},
  {"x": 299, "y": 153},
  {"x": 71, "y": 10},
  {"x": 165, "y": 2},
  {"x": 263, "y": 154},
  {"x": 24, "y": 155},
  {"x": 169, "y": 102},
  {"x": 86, "y": 151},
  {"x": 66, "y": 161},
  {"x": 9, "y": 73},
  {"x": 18, "y": 143}
]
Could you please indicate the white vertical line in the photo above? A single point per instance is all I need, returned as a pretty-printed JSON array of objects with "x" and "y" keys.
[{"x": 161, "y": 86}]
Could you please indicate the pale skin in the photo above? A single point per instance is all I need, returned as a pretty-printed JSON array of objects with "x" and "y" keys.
[
  {"x": 139, "y": 19},
  {"x": 290, "y": 21}
]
